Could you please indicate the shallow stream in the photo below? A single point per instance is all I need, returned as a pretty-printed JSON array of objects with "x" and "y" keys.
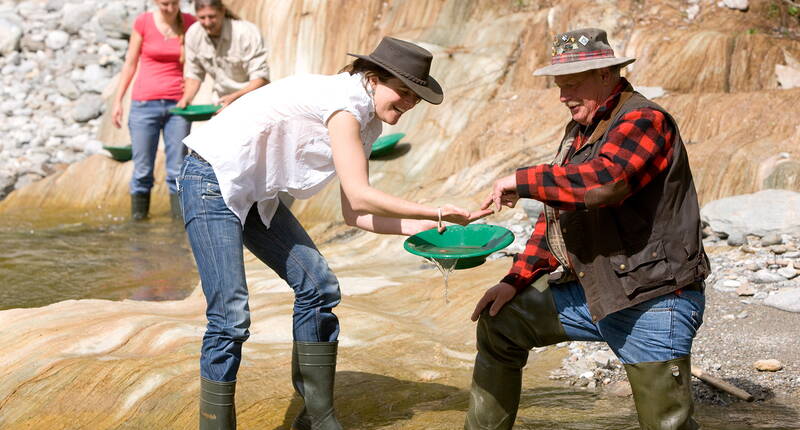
[{"x": 43, "y": 261}]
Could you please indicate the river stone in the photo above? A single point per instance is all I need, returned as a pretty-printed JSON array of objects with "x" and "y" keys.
[
  {"x": 786, "y": 300},
  {"x": 76, "y": 15},
  {"x": 692, "y": 11},
  {"x": 114, "y": 20},
  {"x": 786, "y": 174},
  {"x": 30, "y": 9},
  {"x": 603, "y": 358},
  {"x": 620, "y": 389},
  {"x": 56, "y": 40},
  {"x": 771, "y": 239},
  {"x": 67, "y": 88},
  {"x": 88, "y": 107},
  {"x": 95, "y": 78},
  {"x": 787, "y": 77},
  {"x": 764, "y": 276},
  {"x": 770, "y": 365},
  {"x": 727, "y": 285},
  {"x": 10, "y": 35},
  {"x": 745, "y": 290},
  {"x": 55, "y": 5},
  {"x": 32, "y": 42},
  {"x": 736, "y": 4},
  {"x": 532, "y": 208},
  {"x": 759, "y": 214},
  {"x": 777, "y": 249},
  {"x": 736, "y": 238},
  {"x": 787, "y": 272},
  {"x": 651, "y": 92}
]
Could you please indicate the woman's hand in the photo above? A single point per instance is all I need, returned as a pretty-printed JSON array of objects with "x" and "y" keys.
[
  {"x": 116, "y": 114},
  {"x": 455, "y": 214},
  {"x": 419, "y": 225},
  {"x": 476, "y": 215}
]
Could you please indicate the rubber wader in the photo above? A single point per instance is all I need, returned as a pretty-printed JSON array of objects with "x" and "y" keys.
[
  {"x": 140, "y": 206},
  {"x": 175, "y": 207},
  {"x": 217, "y": 406},
  {"x": 313, "y": 372},
  {"x": 662, "y": 392},
  {"x": 529, "y": 320}
]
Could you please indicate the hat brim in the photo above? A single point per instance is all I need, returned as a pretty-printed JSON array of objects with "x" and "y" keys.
[
  {"x": 431, "y": 93},
  {"x": 582, "y": 66}
]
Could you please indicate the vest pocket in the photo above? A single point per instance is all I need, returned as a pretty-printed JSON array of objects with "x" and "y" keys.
[{"x": 646, "y": 269}]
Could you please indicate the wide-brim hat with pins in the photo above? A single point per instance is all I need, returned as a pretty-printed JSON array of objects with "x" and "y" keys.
[
  {"x": 577, "y": 51},
  {"x": 409, "y": 63}
]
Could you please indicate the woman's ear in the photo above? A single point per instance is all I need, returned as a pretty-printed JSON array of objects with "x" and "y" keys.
[{"x": 373, "y": 81}]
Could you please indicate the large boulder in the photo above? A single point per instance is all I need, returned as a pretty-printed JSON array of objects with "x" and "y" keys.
[{"x": 760, "y": 213}]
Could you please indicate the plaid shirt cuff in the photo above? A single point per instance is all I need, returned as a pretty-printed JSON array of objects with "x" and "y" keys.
[{"x": 519, "y": 282}]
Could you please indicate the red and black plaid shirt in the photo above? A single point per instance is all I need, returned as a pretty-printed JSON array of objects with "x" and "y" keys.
[{"x": 638, "y": 148}]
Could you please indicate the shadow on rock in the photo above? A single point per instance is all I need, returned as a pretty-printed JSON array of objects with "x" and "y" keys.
[{"x": 368, "y": 401}]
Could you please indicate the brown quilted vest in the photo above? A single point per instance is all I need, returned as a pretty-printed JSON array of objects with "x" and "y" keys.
[{"x": 645, "y": 247}]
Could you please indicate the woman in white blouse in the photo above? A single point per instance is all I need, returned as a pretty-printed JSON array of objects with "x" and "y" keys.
[{"x": 292, "y": 136}]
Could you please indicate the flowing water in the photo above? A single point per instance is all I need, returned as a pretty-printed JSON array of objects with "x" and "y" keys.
[
  {"x": 43, "y": 261},
  {"x": 446, "y": 267}
]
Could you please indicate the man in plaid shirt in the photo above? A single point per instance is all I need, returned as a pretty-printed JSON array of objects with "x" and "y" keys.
[{"x": 616, "y": 256}]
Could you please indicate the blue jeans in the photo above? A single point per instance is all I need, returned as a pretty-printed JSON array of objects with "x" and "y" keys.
[
  {"x": 659, "y": 329},
  {"x": 145, "y": 122},
  {"x": 216, "y": 236}
]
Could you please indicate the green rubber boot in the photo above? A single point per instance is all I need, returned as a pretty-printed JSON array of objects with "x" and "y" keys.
[
  {"x": 313, "y": 372},
  {"x": 529, "y": 320},
  {"x": 662, "y": 392},
  {"x": 175, "y": 207},
  {"x": 217, "y": 405},
  {"x": 140, "y": 206}
]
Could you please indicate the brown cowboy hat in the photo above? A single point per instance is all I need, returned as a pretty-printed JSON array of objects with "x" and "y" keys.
[
  {"x": 409, "y": 63},
  {"x": 577, "y": 51}
]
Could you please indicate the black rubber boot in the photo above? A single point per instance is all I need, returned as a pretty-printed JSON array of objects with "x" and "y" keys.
[
  {"x": 529, "y": 320},
  {"x": 175, "y": 207},
  {"x": 313, "y": 373},
  {"x": 217, "y": 405},
  {"x": 662, "y": 392},
  {"x": 140, "y": 206}
]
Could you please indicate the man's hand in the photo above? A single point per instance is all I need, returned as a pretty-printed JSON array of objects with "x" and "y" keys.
[
  {"x": 498, "y": 296},
  {"x": 182, "y": 103},
  {"x": 504, "y": 193},
  {"x": 226, "y": 100}
]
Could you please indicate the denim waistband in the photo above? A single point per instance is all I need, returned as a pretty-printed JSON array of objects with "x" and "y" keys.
[{"x": 197, "y": 156}]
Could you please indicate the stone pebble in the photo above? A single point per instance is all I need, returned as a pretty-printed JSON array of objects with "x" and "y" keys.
[{"x": 56, "y": 59}]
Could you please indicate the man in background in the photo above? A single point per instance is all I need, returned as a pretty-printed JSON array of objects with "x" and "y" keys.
[{"x": 229, "y": 49}]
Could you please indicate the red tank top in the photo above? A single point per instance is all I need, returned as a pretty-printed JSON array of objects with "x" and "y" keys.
[{"x": 160, "y": 72}]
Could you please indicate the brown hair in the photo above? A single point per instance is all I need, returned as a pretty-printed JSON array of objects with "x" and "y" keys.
[
  {"x": 181, "y": 35},
  {"x": 368, "y": 68},
  {"x": 216, "y": 4}
]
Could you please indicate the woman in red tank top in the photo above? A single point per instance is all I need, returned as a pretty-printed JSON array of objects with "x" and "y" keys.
[{"x": 155, "y": 51}]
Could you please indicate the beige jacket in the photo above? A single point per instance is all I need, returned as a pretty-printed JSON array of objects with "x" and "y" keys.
[{"x": 238, "y": 57}]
